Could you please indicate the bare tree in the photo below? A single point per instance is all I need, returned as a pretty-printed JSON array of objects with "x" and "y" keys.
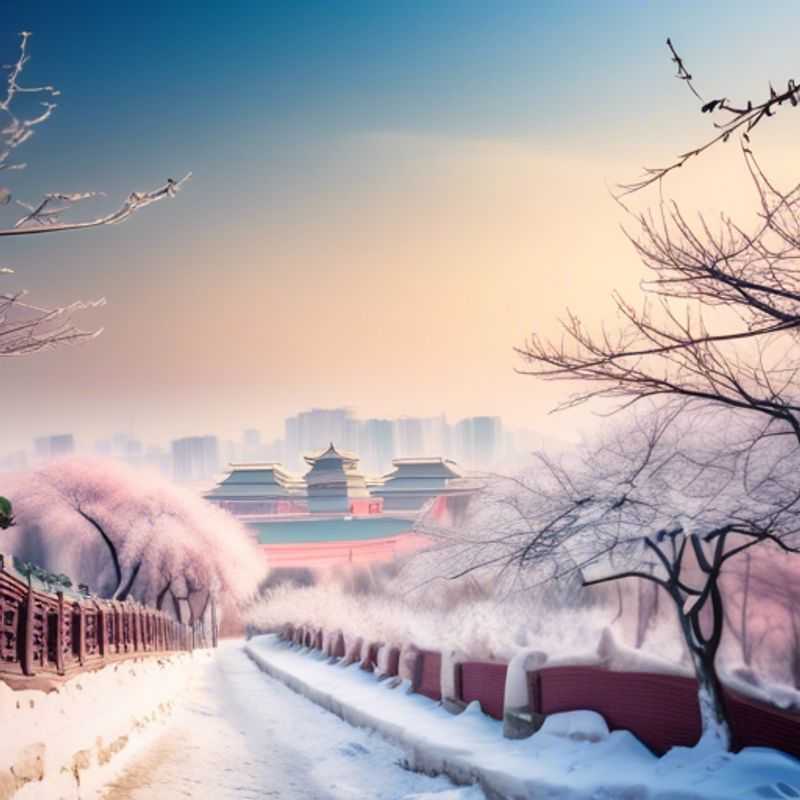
[
  {"x": 26, "y": 328},
  {"x": 737, "y": 117},
  {"x": 719, "y": 322},
  {"x": 668, "y": 501}
]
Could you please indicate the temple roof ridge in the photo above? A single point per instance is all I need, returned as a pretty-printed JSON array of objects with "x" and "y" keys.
[{"x": 329, "y": 453}]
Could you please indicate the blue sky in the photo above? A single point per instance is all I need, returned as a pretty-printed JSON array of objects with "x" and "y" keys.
[{"x": 359, "y": 169}]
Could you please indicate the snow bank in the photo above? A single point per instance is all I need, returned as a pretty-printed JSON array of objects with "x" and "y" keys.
[
  {"x": 575, "y": 758},
  {"x": 69, "y": 741}
]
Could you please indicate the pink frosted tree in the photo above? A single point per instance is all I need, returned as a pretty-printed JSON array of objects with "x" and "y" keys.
[{"x": 132, "y": 534}]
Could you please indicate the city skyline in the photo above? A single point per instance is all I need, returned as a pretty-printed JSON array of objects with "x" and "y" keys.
[{"x": 473, "y": 442}]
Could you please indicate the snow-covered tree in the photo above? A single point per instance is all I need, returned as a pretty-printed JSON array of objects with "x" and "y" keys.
[
  {"x": 127, "y": 533},
  {"x": 670, "y": 500}
]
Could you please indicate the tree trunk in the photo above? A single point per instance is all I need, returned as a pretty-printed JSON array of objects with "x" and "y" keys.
[
  {"x": 112, "y": 549},
  {"x": 126, "y": 590},
  {"x": 647, "y": 603},
  {"x": 162, "y": 595},
  {"x": 176, "y": 605},
  {"x": 710, "y": 695},
  {"x": 747, "y": 647}
]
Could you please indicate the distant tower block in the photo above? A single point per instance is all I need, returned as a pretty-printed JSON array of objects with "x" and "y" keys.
[{"x": 334, "y": 484}]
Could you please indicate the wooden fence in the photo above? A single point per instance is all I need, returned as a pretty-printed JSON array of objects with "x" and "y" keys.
[{"x": 53, "y": 633}]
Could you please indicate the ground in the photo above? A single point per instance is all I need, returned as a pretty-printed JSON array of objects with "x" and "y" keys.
[{"x": 237, "y": 733}]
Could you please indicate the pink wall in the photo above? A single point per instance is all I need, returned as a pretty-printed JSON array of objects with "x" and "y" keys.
[{"x": 328, "y": 554}]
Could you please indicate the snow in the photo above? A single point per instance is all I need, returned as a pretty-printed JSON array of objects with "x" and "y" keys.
[
  {"x": 447, "y": 679},
  {"x": 516, "y": 691},
  {"x": 574, "y": 758},
  {"x": 237, "y": 734},
  {"x": 95, "y": 716},
  {"x": 581, "y": 726}
]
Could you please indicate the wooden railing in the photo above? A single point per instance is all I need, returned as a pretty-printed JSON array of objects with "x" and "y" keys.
[{"x": 47, "y": 632}]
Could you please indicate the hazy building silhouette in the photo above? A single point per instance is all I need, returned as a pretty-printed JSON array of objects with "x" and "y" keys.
[
  {"x": 46, "y": 447},
  {"x": 479, "y": 441},
  {"x": 312, "y": 430},
  {"x": 377, "y": 443},
  {"x": 410, "y": 437},
  {"x": 195, "y": 458}
]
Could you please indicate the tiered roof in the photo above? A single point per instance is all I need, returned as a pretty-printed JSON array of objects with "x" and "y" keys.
[
  {"x": 333, "y": 480},
  {"x": 267, "y": 480}
]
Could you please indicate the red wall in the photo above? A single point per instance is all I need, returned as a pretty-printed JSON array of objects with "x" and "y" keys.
[
  {"x": 756, "y": 725},
  {"x": 660, "y": 710},
  {"x": 485, "y": 682},
  {"x": 429, "y": 675}
]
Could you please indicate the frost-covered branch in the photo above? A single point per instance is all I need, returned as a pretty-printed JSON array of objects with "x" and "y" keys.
[
  {"x": 45, "y": 217},
  {"x": 26, "y": 329},
  {"x": 18, "y": 129}
]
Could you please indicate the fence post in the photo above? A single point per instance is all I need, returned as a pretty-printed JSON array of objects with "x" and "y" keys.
[
  {"x": 27, "y": 647},
  {"x": 81, "y": 634},
  {"x": 100, "y": 630},
  {"x": 60, "y": 635},
  {"x": 117, "y": 626}
]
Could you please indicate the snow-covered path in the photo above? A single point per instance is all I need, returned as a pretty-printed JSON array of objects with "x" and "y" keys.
[{"x": 239, "y": 734}]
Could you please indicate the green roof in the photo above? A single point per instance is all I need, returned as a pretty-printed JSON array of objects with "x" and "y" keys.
[{"x": 329, "y": 530}]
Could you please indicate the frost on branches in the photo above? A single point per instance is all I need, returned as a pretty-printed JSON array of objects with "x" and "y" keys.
[{"x": 27, "y": 328}]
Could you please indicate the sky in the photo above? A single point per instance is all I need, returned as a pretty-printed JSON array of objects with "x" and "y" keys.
[{"x": 386, "y": 199}]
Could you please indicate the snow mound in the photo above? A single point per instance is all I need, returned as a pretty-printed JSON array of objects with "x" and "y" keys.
[
  {"x": 580, "y": 726},
  {"x": 617, "y": 657}
]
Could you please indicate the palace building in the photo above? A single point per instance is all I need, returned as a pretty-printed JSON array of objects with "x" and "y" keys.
[{"x": 333, "y": 514}]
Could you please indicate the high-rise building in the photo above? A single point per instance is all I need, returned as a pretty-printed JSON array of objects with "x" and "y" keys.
[
  {"x": 195, "y": 458},
  {"x": 314, "y": 430},
  {"x": 46, "y": 447},
  {"x": 410, "y": 437},
  {"x": 436, "y": 436},
  {"x": 479, "y": 441},
  {"x": 377, "y": 443},
  {"x": 159, "y": 459}
]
